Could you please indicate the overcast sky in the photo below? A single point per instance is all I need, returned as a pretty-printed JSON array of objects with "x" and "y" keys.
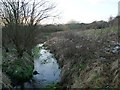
[{"x": 86, "y": 11}]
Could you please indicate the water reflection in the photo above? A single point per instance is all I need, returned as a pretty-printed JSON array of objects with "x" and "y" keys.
[{"x": 47, "y": 68}]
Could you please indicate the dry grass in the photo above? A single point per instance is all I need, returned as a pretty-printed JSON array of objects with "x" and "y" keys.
[{"x": 82, "y": 54}]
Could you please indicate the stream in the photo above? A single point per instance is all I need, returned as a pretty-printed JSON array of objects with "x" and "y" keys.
[{"x": 46, "y": 68}]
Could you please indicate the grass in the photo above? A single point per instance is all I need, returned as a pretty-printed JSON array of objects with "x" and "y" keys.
[
  {"x": 98, "y": 32},
  {"x": 82, "y": 66},
  {"x": 35, "y": 51},
  {"x": 51, "y": 87},
  {"x": 79, "y": 49},
  {"x": 18, "y": 69}
]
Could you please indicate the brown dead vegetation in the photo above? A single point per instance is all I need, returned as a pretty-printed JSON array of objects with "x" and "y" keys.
[{"x": 87, "y": 61}]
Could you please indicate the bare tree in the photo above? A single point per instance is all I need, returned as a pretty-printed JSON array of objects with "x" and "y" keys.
[{"x": 21, "y": 18}]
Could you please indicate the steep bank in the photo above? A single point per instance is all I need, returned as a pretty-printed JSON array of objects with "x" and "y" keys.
[
  {"x": 88, "y": 59},
  {"x": 18, "y": 70}
]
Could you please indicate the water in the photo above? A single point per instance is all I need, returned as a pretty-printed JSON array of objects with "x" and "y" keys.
[{"x": 47, "y": 67}]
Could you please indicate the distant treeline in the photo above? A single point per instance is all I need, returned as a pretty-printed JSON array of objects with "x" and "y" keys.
[
  {"x": 79, "y": 26},
  {"x": 94, "y": 25},
  {"x": 50, "y": 28}
]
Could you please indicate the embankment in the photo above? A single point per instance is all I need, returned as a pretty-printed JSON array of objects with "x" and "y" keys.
[
  {"x": 87, "y": 60},
  {"x": 17, "y": 70}
]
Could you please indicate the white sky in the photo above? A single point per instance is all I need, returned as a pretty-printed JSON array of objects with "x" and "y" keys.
[{"x": 86, "y": 11}]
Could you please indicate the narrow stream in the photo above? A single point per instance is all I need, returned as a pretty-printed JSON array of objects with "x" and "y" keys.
[{"x": 47, "y": 69}]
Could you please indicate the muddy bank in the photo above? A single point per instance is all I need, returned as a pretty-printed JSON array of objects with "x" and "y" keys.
[{"x": 86, "y": 61}]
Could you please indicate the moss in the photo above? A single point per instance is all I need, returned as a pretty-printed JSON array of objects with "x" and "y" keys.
[
  {"x": 35, "y": 51},
  {"x": 19, "y": 69}
]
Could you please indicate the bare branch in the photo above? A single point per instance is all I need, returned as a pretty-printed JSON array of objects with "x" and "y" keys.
[{"x": 21, "y": 19}]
